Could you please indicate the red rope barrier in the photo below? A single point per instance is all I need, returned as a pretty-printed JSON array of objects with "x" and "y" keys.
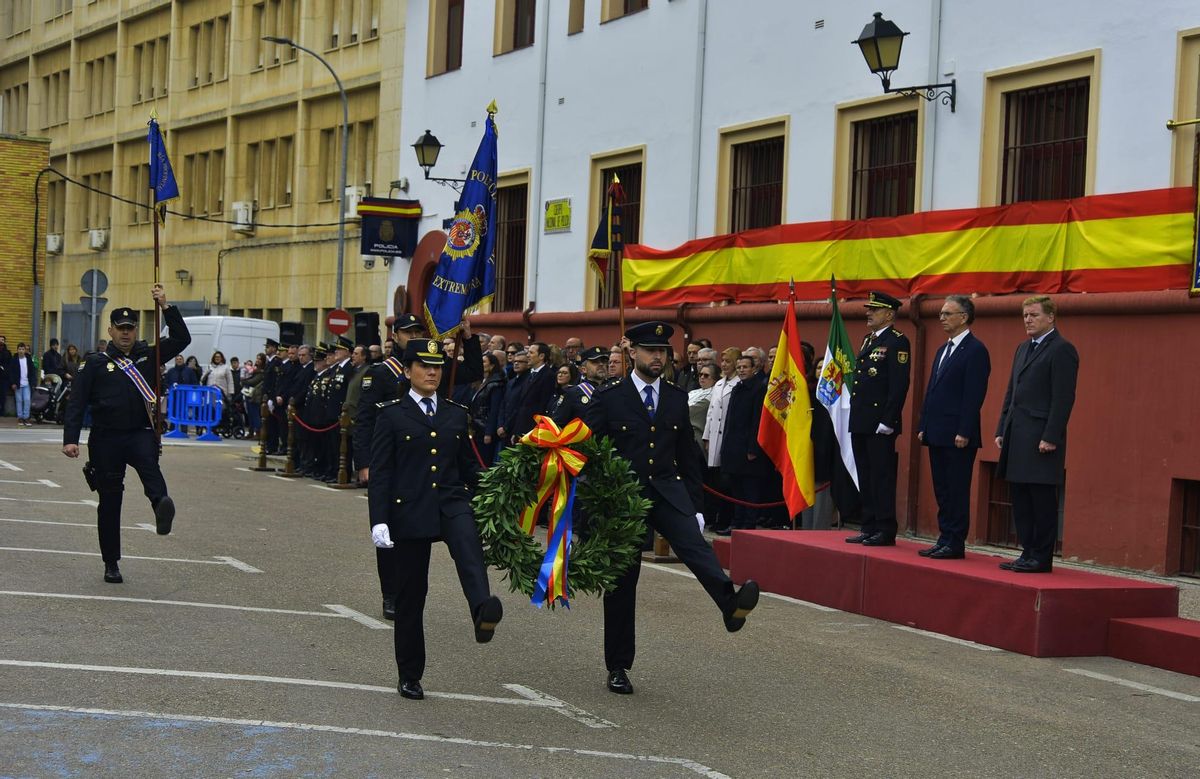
[
  {"x": 478, "y": 456},
  {"x": 300, "y": 422},
  {"x": 749, "y": 505}
]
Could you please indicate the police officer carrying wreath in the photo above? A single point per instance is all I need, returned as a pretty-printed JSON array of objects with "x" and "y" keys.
[
  {"x": 647, "y": 420},
  {"x": 880, "y": 387},
  {"x": 422, "y": 470},
  {"x": 118, "y": 385}
]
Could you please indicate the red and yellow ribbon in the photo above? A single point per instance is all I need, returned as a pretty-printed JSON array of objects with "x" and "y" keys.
[{"x": 560, "y": 465}]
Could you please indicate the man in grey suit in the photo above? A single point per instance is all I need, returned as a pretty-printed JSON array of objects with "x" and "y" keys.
[{"x": 1032, "y": 434}]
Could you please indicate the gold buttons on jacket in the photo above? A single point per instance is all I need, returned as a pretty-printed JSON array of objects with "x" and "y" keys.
[
  {"x": 433, "y": 434},
  {"x": 651, "y": 428},
  {"x": 399, "y": 500},
  {"x": 433, "y": 451},
  {"x": 433, "y": 468},
  {"x": 434, "y": 485},
  {"x": 651, "y": 444},
  {"x": 407, "y": 438},
  {"x": 651, "y": 461}
]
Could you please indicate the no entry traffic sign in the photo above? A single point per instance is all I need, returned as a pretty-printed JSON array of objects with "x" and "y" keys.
[{"x": 338, "y": 321}]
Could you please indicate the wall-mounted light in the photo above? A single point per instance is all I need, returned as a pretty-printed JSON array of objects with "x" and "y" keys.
[
  {"x": 183, "y": 276},
  {"x": 880, "y": 42},
  {"x": 428, "y": 147}
]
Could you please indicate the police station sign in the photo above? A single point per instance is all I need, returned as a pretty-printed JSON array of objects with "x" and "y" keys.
[{"x": 558, "y": 216}]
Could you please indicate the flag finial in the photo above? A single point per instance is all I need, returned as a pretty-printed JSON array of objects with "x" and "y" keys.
[{"x": 492, "y": 108}]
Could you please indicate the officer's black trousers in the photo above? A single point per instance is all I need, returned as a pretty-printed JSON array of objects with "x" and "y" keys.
[
  {"x": 411, "y": 558},
  {"x": 875, "y": 458},
  {"x": 689, "y": 545},
  {"x": 109, "y": 452}
]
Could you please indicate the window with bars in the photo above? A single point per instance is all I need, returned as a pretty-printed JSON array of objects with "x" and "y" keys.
[
  {"x": 883, "y": 172},
  {"x": 1189, "y": 528},
  {"x": 756, "y": 184},
  {"x": 523, "y": 23},
  {"x": 630, "y": 176},
  {"x": 1045, "y": 142},
  {"x": 512, "y": 207}
]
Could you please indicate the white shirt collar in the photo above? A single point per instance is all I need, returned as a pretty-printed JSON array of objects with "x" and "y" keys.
[
  {"x": 641, "y": 385},
  {"x": 1043, "y": 336},
  {"x": 880, "y": 331},
  {"x": 958, "y": 339},
  {"x": 418, "y": 398}
]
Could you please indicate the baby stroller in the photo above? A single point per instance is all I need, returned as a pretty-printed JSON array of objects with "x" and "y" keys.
[
  {"x": 47, "y": 401},
  {"x": 39, "y": 401},
  {"x": 233, "y": 418}
]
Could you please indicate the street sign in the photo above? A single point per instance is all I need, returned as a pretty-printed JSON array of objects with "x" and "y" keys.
[
  {"x": 558, "y": 216},
  {"x": 94, "y": 282},
  {"x": 338, "y": 321}
]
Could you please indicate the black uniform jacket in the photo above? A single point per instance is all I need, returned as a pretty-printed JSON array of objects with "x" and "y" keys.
[
  {"x": 880, "y": 383},
  {"x": 115, "y": 401},
  {"x": 422, "y": 468},
  {"x": 574, "y": 402},
  {"x": 383, "y": 381},
  {"x": 662, "y": 450}
]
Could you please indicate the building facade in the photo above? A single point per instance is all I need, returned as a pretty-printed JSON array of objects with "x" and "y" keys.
[
  {"x": 21, "y": 157},
  {"x": 253, "y": 132},
  {"x": 722, "y": 116}
]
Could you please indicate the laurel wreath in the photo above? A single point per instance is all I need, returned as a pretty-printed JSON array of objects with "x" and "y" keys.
[{"x": 608, "y": 524}]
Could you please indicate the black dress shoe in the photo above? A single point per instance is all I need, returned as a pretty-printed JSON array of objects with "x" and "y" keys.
[
  {"x": 743, "y": 603},
  {"x": 946, "y": 553},
  {"x": 879, "y": 539},
  {"x": 411, "y": 689},
  {"x": 389, "y": 607},
  {"x": 724, "y": 531},
  {"x": 618, "y": 682},
  {"x": 1031, "y": 566},
  {"x": 1007, "y": 565},
  {"x": 164, "y": 514},
  {"x": 930, "y": 550},
  {"x": 487, "y": 616},
  {"x": 112, "y": 574},
  {"x": 857, "y": 539}
]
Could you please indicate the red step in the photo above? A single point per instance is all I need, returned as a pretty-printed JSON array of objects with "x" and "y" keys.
[
  {"x": 1172, "y": 643},
  {"x": 721, "y": 545}
]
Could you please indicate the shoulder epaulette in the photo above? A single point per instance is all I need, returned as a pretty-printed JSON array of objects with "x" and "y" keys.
[
  {"x": 455, "y": 403},
  {"x": 897, "y": 332},
  {"x": 386, "y": 403},
  {"x": 672, "y": 385},
  {"x": 610, "y": 385}
]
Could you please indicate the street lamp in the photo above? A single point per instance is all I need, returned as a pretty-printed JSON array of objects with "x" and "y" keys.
[
  {"x": 880, "y": 42},
  {"x": 428, "y": 147},
  {"x": 341, "y": 254}
]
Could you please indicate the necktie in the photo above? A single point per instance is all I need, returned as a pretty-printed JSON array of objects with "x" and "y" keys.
[
  {"x": 428, "y": 403},
  {"x": 945, "y": 356},
  {"x": 649, "y": 393}
]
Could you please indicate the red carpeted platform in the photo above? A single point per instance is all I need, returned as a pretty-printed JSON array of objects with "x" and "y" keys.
[
  {"x": 1172, "y": 643},
  {"x": 1065, "y": 613},
  {"x": 721, "y": 546}
]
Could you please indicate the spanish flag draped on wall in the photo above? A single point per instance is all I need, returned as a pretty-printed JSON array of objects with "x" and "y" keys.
[
  {"x": 1126, "y": 242},
  {"x": 784, "y": 430}
]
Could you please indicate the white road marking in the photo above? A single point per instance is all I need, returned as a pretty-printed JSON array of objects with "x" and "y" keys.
[
  {"x": 323, "y": 487},
  {"x": 364, "y": 497},
  {"x": 357, "y": 616},
  {"x": 948, "y": 639},
  {"x": 561, "y": 706},
  {"x": 259, "y": 609},
  {"x": 91, "y": 525},
  {"x": 798, "y": 602},
  {"x": 247, "y": 470},
  {"x": 690, "y": 765},
  {"x": 281, "y": 478},
  {"x": 147, "y": 526},
  {"x": 65, "y": 502},
  {"x": 45, "y": 482},
  {"x": 236, "y": 563},
  {"x": 215, "y": 561},
  {"x": 1179, "y": 696},
  {"x": 6, "y": 465},
  {"x": 50, "y": 483}
]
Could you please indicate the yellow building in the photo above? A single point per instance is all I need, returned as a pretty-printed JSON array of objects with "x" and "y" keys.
[{"x": 253, "y": 132}]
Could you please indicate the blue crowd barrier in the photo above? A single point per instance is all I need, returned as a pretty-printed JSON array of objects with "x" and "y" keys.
[{"x": 196, "y": 406}]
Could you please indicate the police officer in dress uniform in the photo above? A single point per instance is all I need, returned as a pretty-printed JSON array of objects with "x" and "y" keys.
[
  {"x": 311, "y": 411},
  {"x": 576, "y": 399},
  {"x": 423, "y": 471},
  {"x": 384, "y": 381},
  {"x": 647, "y": 420},
  {"x": 880, "y": 387},
  {"x": 339, "y": 383},
  {"x": 117, "y": 385}
]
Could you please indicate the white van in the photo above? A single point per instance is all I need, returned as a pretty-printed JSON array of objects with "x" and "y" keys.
[{"x": 234, "y": 336}]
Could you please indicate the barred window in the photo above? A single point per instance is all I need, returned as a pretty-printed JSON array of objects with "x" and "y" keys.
[
  {"x": 756, "y": 184},
  {"x": 883, "y": 173},
  {"x": 512, "y": 207},
  {"x": 1045, "y": 142}
]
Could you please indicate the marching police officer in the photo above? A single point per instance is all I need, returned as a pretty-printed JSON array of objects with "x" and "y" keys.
[
  {"x": 880, "y": 387},
  {"x": 575, "y": 400},
  {"x": 422, "y": 470},
  {"x": 118, "y": 386},
  {"x": 647, "y": 420}
]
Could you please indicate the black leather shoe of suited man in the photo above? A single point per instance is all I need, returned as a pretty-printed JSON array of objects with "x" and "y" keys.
[
  {"x": 487, "y": 616},
  {"x": 743, "y": 603},
  {"x": 389, "y": 607},
  {"x": 618, "y": 682},
  {"x": 879, "y": 539},
  {"x": 112, "y": 574},
  {"x": 411, "y": 689},
  {"x": 857, "y": 539},
  {"x": 164, "y": 514}
]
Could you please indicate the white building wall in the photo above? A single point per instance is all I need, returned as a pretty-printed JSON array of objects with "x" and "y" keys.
[{"x": 672, "y": 77}]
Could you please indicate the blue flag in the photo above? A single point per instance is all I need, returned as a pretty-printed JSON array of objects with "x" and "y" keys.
[
  {"x": 466, "y": 272},
  {"x": 162, "y": 178}
]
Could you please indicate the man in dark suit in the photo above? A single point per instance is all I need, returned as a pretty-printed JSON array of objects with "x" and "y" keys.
[
  {"x": 743, "y": 462},
  {"x": 1032, "y": 434},
  {"x": 647, "y": 421},
  {"x": 422, "y": 471},
  {"x": 539, "y": 388},
  {"x": 949, "y": 424},
  {"x": 880, "y": 387}
]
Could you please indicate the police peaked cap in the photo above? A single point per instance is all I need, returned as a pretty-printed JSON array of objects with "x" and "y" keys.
[
  {"x": 594, "y": 354},
  {"x": 344, "y": 343},
  {"x": 426, "y": 350},
  {"x": 650, "y": 334},
  {"x": 882, "y": 300},
  {"x": 123, "y": 316},
  {"x": 406, "y": 322}
]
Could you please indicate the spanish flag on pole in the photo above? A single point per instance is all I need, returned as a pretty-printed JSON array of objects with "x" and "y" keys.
[{"x": 786, "y": 423}]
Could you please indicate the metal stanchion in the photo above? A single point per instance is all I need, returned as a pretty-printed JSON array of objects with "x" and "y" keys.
[
  {"x": 343, "y": 478},
  {"x": 661, "y": 553},
  {"x": 289, "y": 466},
  {"x": 262, "y": 440}
]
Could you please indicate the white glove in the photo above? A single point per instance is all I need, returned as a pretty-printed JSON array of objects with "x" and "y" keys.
[
  {"x": 270, "y": 405},
  {"x": 700, "y": 521},
  {"x": 883, "y": 430},
  {"x": 381, "y": 537}
]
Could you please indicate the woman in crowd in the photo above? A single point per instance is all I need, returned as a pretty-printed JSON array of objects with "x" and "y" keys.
[
  {"x": 71, "y": 362},
  {"x": 485, "y": 407},
  {"x": 698, "y": 400},
  {"x": 252, "y": 392},
  {"x": 219, "y": 375},
  {"x": 566, "y": 375}
]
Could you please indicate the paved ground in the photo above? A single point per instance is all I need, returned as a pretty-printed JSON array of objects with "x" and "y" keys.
[{"x": 247, "y": 644}]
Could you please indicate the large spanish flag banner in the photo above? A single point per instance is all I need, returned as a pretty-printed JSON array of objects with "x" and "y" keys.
[
  {"x": 784, "y": 429},
  {"x": 1134, "y": 241}
]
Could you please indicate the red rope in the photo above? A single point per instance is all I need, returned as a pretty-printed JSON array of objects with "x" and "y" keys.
[
  {"x": 747, "y": 504},
  {"x": 478, "y": 456},
  {"x": 300, "y": 422}
]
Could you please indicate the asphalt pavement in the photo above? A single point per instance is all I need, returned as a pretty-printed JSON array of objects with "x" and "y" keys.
[{"x": 249, "y": 642}]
